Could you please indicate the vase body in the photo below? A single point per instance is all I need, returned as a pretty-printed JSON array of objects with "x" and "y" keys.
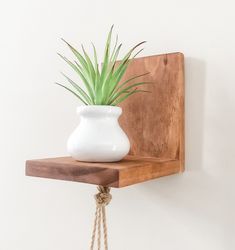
[{"x": 98, "y": 137}]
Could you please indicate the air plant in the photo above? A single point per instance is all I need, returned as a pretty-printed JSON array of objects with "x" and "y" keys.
[{"x": 102, "y": 81}]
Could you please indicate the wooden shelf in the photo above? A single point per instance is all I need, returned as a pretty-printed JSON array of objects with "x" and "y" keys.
[
  {"x": 154, "y": 124},
  {"x": 130, "y": 170}
]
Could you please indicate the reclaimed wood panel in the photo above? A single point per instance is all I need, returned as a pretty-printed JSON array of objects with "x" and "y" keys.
[{"x": 154, "y": 122}]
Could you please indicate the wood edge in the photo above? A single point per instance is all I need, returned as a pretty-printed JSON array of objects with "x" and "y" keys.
[
  {"x": 31, "y": 169},
  {"x": 174, "y": 169},
  {"x": 27, "y": 167},
  {"x": 182, "y": 132},
  {"x": 163, "y": 54}
]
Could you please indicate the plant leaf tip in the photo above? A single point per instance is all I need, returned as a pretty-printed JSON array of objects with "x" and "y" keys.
[{"x": 102, "y": 83}]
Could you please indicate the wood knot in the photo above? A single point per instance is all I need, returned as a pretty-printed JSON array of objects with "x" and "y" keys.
[{"x": 165, "y": 60}]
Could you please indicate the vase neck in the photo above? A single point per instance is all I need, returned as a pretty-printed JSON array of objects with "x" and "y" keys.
[{"x": 99, "y": 111}]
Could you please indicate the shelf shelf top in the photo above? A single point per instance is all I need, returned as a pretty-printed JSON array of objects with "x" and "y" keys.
[{"x": 130, "y": 170}]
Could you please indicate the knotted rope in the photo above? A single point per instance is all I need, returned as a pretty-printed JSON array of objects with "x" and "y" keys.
[{"x": 102, "y": 200}]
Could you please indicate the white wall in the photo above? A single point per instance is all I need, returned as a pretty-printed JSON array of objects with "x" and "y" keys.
[{"x": 183, "y": 212}]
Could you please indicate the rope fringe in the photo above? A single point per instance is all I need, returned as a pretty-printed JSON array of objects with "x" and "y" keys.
[{"x": 102, "y": 199}]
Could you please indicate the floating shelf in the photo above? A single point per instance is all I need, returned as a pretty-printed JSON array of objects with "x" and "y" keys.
[
  {"x": 153, "y": 122},
  {"x": 130, "y": 170}
]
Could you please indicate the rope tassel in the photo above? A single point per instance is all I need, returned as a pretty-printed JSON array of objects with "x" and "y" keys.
[{"x": 102, "y": 198}]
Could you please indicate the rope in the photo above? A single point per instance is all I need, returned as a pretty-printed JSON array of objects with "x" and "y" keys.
[{"x": 102, "y": 198}]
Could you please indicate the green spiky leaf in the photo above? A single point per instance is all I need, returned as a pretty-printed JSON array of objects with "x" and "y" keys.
[{"x": 102, "y": 84}]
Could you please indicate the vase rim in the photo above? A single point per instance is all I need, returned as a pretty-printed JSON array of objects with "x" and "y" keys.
[{"x": 99, "y": 109}]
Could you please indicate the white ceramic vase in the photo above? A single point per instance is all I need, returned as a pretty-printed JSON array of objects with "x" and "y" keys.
[{"x": 98, "y": 137}]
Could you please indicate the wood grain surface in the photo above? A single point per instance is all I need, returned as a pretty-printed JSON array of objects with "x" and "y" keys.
[
  {"x": 129, "y": 171},
  {"x": 154, "y": 123}
]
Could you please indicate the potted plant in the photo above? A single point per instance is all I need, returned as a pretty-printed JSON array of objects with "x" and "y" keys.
[{"x": 98, "y": 137}]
